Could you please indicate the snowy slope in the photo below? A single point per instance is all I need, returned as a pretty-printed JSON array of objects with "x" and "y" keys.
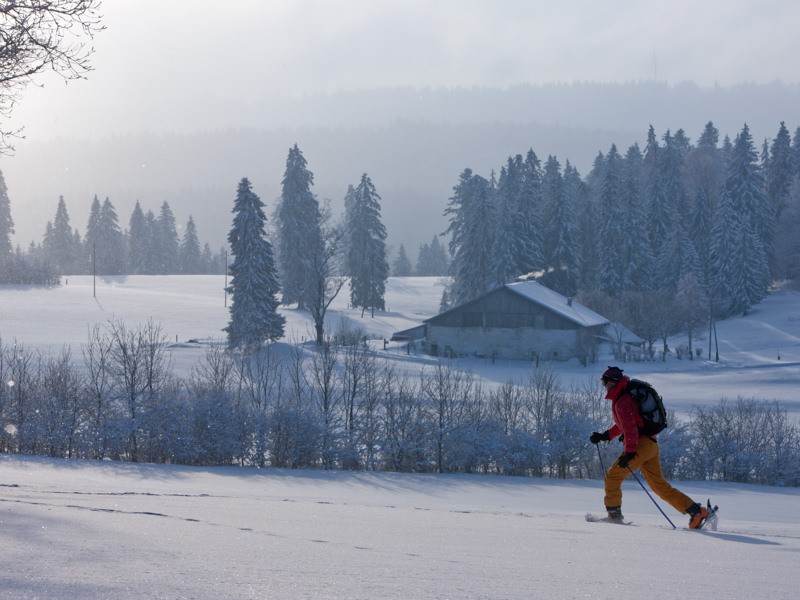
[
  {"x": 192, "y": 309},
  {"x": 76, "y": 530}
]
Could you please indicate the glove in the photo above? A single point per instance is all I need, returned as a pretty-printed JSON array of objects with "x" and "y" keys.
[
  {"x": 624, "y": 459},
  {"x": 598, "y": 437}
]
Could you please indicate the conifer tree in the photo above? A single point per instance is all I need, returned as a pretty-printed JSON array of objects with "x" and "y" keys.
[
  {"x": 254, "y": 279},
  {"x": 165, "y": 241},
  {"x": 560, "y": 229},
  {"x": 740, "y": 267},
  {"x": 795, "y": 153},
  {"x": 299, "y": 231},
  {"x": 401, "y": 267},
  {"x": 704, "y": 171},
  {"x": 663, "y": 195},
  {"x": 191, "y": 260},
  {"x": 139, "y": 242},
  {"x": 636, "y": 255},
  {"x": 432, "y": 259},
  {"x": 532, "y": 255},
  {"x": 152, "y": 263},
  {"x": 59, "y": 243},
  {"x": 787, "y": 242},
  {"x": 588, "y": 231},
  {"x": 366, "y": 247},
  {"x": 472, "y": 228},
  {"x": 778, "y": 179},
  {"x": 612, "y": 227},
  {"x": 104, "y": 241},
  {"x": 509, "y": 240},
  {"x": 519, "y": 237},
  {"x": 6, "y": 224}
]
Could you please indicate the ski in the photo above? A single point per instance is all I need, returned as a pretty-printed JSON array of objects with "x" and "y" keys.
[{"x": 601, "y": 519}]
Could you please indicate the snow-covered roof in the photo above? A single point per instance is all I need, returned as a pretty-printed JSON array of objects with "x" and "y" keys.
[{"x": 544, "y": 296}]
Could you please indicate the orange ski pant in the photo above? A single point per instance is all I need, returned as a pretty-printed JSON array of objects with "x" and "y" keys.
[{"x": 646, "y": 459}]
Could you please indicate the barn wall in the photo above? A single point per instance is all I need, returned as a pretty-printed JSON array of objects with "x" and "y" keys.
[{"x": 522, "y": 343}]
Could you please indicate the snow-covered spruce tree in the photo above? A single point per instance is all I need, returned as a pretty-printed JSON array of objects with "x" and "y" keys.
[
  {"x": 670, "y": 258},
  {"x": 191, "y": 259},
  {"x": 795, "y": 153},
  {"x": 401, "y": 267},
  {"x": 637, "y": 258},
  {"x": 432, "y": 259},
  {"x": 6, "y": 224},
  {"x": 726, "y": 233},
  {"x": 740, "y": 270},
  {"x": 92, "y": 230},
  {"x": 660, "y": 208},
  {"x": 518, "y": 242},
  {"x": 472, "y": 228},
  {"x": 588, "y": 234},
  {"x": 104, "y": 243},
  {"x": 299, "y": 231},
  {"x": 559, "y": 231},
  {"x": 787, "y": 242},
  {"x": 612, "y": 224},
  {"x": 509, "y": 239},
  {"x": 139, "y": 241},
  {"x": 165, "y": 241},
  {"x": 778, "y": 170},
  {"x": 703, "y": 173},
  {"x": 254, "y": 279},
  {"x": 59, "y": 242},
  {"x": 366, "y": 248},
  {"x": 778, "y": 178},
  {"x": 531, "y": 257}
]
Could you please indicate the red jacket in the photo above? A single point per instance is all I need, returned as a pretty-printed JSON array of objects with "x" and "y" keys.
[{"x": 627, "y": 419}]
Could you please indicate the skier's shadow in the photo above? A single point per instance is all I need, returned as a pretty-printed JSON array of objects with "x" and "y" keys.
[{"x": 737, "y": 537}]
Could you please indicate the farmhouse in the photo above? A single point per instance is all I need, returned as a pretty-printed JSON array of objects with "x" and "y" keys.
[{"x": 521, "y": 320}]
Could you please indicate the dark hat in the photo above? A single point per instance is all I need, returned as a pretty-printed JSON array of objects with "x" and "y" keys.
[{"x": 612, "y": 374}]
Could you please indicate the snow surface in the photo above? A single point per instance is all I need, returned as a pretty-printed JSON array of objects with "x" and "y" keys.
[
  {"x": 80, "y": 529},
  {"x": 759, "y": 353},
  {"x": 106, "y": 530}
]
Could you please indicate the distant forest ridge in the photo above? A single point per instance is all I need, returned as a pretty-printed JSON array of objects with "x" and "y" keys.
[
  {"x": 413, "y": 142},
  {"x": 628, "y": 106}
]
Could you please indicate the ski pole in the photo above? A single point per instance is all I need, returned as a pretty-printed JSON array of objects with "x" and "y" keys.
[
  {"x": 600, "y": 456},
  {"x": 651, "y": 498}
]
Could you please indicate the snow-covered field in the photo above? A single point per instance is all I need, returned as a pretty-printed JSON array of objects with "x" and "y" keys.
[
  {"x": 74, "y": 530},
  {"x": 759, "y": 354}
]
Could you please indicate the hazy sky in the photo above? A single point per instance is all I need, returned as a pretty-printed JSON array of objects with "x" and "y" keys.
[{"x": 176, "y": 65}]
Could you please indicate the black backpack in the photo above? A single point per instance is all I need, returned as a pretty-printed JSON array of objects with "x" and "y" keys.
[{"x": 651, "y": 406}]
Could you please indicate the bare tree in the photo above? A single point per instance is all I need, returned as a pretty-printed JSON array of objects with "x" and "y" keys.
[
  {"x": 327, "y": 394},
  {"x": 96, "y": 357},
  {"x": 38, "y": 36},
  {"x": 448, "y": 391},
  {"x": 140, "y": 369},
  {"x": 325, "y": 275},
  {"x": 260, "y": 378},
  {"x": 405, "y": 429}
]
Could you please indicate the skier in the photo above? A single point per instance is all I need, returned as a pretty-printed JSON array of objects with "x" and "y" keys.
[{"x": 639, "y": 452}]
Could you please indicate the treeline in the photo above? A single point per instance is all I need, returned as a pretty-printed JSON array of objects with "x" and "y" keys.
[
  {"x": 664, "y": 239},
  {"x": 149, "y": 245},
  {"x": 432, "y": 259},
  {"x": 343, "y": 407}
]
